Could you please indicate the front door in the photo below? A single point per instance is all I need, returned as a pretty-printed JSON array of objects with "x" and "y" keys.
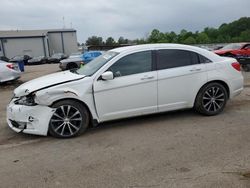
[{"x": 132, "y": 92}]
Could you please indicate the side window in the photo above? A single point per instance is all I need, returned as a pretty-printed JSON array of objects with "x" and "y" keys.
[
  {"x": 203, "y": 59},
  {"x": 194, "y": 58},
  {"x": 133, "y": 64},
  {"x": 171, "y": 58}
]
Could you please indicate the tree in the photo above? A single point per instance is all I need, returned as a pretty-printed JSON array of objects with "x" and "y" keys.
[
  {"x": 202, "y": 38},
  {"x": 245, "y": 35},
  {"x": 172, "y": 37},
  {"x": 155, "y": 36},
  {"x": 189, "y": 40},
  {"x": 110, "y": 41},
  {"x": 94, "y": 40},
  {"x": 236, "y": 31},
  {"x": 121, "y": 40}
]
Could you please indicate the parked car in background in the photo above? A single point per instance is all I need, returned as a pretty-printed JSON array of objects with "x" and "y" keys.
[
  {"x": 235, "y": 50},
  {"x": 37, "y": 60},
  {"x": 74, "y": 62},
  {"x": 240, "y": 51},
  {"x": 245, "y": 63},
  {"x": 18, "y": 58},
  {"x": 3, "y": 58},
  {"x": 56, "y": 58},
  {"x": 9, "y": 71},
  {"x": 76, "y": 54},
  {"x": 125, "y": 82}
]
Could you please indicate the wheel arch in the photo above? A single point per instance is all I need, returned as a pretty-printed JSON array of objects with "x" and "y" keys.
[
  {"x": 82, "y": 103},
  {"x": 215, "y": 81},
  {"x": 71, "y": 64}
]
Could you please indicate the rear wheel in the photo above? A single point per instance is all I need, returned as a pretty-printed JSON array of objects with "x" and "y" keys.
[
  {"x": 211, "y": 99},
  {"x": 69, "y": 119}
]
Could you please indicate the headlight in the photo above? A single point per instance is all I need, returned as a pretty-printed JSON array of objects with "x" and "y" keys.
[{"x": 26, "y": 100}]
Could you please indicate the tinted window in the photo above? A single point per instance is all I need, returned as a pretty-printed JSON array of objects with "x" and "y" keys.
[
  {"x": 133, "y": 64},
  {"x": 203, "y": 59},
  {"x": 174, "y": 58}
]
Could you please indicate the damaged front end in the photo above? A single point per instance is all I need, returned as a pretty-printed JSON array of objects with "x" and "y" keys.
[{"x": 25, "y": 115}]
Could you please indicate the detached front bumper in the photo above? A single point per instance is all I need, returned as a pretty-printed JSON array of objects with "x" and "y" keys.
[{"x": 29, "y": 119}]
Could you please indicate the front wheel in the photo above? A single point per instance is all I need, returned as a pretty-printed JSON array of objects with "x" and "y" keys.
[
  {"x": 211, "y": 99},
  {"x": 69, "y": 119}
]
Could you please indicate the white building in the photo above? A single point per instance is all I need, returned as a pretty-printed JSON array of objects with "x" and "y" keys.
[{"x": 37, "y": 42}]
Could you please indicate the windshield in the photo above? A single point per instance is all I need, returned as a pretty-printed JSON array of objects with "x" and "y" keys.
[
  {"x": 232, "y": 47},
  {"x": 94, "y": 65}
]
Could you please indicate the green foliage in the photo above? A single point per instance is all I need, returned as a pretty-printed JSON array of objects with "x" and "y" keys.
[
  {"x": 189, "y": 40},
  {"x": 110, "y": 41},
  {"x": 122, "y": 40},
  {"x": 236, "y": 31},
  {"x": 94, "y": 40}
]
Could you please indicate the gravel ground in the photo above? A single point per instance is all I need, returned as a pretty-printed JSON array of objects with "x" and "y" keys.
[{"x": 177, "y": 149}]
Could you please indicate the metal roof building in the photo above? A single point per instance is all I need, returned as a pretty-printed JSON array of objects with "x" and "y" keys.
[{"x": 37, "y": 42}]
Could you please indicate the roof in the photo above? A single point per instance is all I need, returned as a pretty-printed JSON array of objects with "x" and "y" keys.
[
  {"x": 31, "y": 33},
  {"x": 129, "y": 49}
]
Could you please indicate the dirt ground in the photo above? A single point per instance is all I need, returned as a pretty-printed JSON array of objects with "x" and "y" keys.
[{"x": 177, "y": 149}]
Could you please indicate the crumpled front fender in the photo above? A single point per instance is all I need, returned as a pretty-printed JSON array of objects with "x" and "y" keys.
[{"x": 48, "y": 97}]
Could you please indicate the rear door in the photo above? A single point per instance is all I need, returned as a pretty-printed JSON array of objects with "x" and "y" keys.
[{"x": 180, "y": 76}]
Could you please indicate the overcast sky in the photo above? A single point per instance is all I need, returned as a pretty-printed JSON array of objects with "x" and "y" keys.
[{"x": 128, "y": 18}]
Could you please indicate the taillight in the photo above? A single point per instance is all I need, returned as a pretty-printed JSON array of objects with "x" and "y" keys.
[
  {"x": 236, "y": 66},
  {"x": 10, "y": 66}
]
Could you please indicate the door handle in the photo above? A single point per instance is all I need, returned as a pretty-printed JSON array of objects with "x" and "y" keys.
[{"x": 147, "y": 77}]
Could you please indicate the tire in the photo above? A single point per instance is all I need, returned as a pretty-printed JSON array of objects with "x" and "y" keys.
[
  {"x": 70, "y": 119},
  {"x": 211, "y": 99},
  {"x": 72, "y": 66}
]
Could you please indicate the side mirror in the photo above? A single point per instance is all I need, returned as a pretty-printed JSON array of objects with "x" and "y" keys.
[{"x": 107, "y": 75}]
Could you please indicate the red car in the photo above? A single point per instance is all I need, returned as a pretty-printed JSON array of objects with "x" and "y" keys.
[{"x": 235, "y": 50}]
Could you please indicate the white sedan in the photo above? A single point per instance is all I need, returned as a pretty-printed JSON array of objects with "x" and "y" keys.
[
  {"x": 125, "y": 82},
  {"x": 9, "y": 71}
]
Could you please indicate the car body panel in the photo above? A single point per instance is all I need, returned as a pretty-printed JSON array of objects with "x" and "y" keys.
[
  {"x": 170, "y": 96},
  {"x": 22, "y": 114},
  {"x": 7, "y": 74},
  {"x": 131, "y": 95},
  {"x": 240, "y": 49},
  {"x": 46, "y": 81},
  {"x": 37, "y": 60}
]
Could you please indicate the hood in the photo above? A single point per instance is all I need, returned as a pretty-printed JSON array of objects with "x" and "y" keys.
[
  {"x": 73, "y": 59},
  {"x": 222, "y": 51},
  {"x": 45, "y": 82}
]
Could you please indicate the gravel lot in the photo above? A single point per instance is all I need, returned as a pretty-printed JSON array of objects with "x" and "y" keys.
[{"x": 177, "y": 149}]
